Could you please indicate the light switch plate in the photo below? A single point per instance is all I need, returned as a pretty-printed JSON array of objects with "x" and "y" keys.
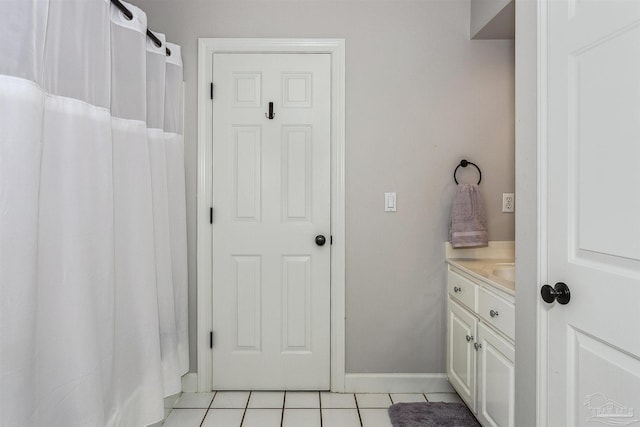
[{"x": 389, "y": 202}]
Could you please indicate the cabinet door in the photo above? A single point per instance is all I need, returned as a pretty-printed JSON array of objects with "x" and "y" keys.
[
  {"x": 461, "y": 356},
  {"x": 495, "y": 379}
]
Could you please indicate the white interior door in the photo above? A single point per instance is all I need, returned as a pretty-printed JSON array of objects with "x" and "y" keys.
[
  {"x": 593, "y": 112},
  {"x": 271, "y": 196}
]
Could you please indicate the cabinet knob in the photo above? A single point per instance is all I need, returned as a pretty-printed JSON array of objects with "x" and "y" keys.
[
  {"x": 469, "y": 338},
  {"x": 493, "y": 313},
  {"x": 456, "y": 289},
  {"x": 477, "y": 346}
]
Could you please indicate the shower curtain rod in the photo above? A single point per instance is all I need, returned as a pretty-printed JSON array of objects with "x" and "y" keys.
[{"x": 129, "y": 16}]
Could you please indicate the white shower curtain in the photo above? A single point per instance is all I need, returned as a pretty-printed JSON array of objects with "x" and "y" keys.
[
  {"x": 156, "y": 81},
  {"x": 137, "y": 370},
  {"x": 22, "y": 33},
  {"x": 173, "y": 111},
  {"x": 75, "y": 235},
  {"x": 90, "y": 334}
]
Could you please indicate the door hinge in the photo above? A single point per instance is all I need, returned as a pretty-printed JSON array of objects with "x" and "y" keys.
[
  {"x": 211, "y": 215},
  {"x": 331, "y": 240},
  {"x": 211, "y": 339},
  {"x": 211, "y": 91}
]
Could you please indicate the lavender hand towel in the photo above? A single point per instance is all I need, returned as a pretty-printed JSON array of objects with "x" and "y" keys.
[{"x": 468, "y": 222}]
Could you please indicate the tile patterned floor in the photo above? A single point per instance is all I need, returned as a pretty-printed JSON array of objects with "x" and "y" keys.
[{"x": 290, "y": 409}]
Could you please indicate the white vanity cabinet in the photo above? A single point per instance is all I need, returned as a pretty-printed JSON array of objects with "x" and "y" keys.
[
  {"x": 480, "y": 346},
  {"x": 495, "y": 379},
  {"x": 461, "y": 356}
]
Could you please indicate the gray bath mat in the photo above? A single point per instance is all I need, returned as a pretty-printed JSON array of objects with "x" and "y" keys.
[{"x": 432, "y": 414}]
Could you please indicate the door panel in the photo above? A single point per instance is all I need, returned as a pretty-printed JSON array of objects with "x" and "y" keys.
[
  {"x": 602, "y": 375},
  {"x": 296, "y": 173},
  {"x": 496, "y": 379},
  {"x": 593, "y": 102},
  {"x": 296, "y": 304},
  {"x": 247, "y": 283},
  {"x": 462, "y": 355},
  {"x": 271, "y": 195},
  {"x": 247, "y": 183},
  {"x": 605, "y": 131}
]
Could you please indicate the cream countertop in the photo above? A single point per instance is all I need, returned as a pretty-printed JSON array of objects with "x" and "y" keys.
[{"x": 496, "y": 272}]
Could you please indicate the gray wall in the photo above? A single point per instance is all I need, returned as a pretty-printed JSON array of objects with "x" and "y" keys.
[
  {"x": 420, "y": 96},
  {"x": 492, "y": 19}
]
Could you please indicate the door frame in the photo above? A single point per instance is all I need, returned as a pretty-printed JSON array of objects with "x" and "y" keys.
[
  {"x": 543, "y": 212},
  {"x": 531, "y": 215},
  {"x": 206, "y": 48}
]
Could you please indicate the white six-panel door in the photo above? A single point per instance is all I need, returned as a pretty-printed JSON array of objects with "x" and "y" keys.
[
  {"x": 592, "y": 344},
  {"x": 271, "y": 197}
]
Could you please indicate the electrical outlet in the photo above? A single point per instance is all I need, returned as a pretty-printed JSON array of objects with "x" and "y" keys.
[{"x": 508, "y": 202}]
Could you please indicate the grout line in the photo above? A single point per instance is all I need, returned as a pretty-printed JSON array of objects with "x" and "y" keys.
[
  {"x": 284, "y": 401},
  {"x": 208, "y": 408},
  {"x": 358, "y": 408},
  {"x": 245, "y": 409},
  {"x": 215, "y": 393},
  {"x": 205, "y": 416},
  {"x": 213, "y": 397},
  {"x": 301, "y": 407}
]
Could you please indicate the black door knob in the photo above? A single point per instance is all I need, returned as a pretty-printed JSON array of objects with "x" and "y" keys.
[
  {"x": 320, "y": 240},
  {"x": 560, "y": 292}
]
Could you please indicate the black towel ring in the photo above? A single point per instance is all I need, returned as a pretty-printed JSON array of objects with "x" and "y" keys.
[{"x": 464, "y": 164}]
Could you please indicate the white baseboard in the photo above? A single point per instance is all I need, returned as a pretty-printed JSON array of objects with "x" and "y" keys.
[
  {"x": 190, "y": 382},
  {"x": 369, "y": 383},
  {"x": 397, "y": 383}
]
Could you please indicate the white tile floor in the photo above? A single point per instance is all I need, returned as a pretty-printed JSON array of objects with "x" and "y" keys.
[{"x": 290, "y": 409}]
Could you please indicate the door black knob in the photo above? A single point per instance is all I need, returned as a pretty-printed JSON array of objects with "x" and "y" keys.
[
  {"x": 320, "y": 240},
  {"x": 560, "y": 292}
]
